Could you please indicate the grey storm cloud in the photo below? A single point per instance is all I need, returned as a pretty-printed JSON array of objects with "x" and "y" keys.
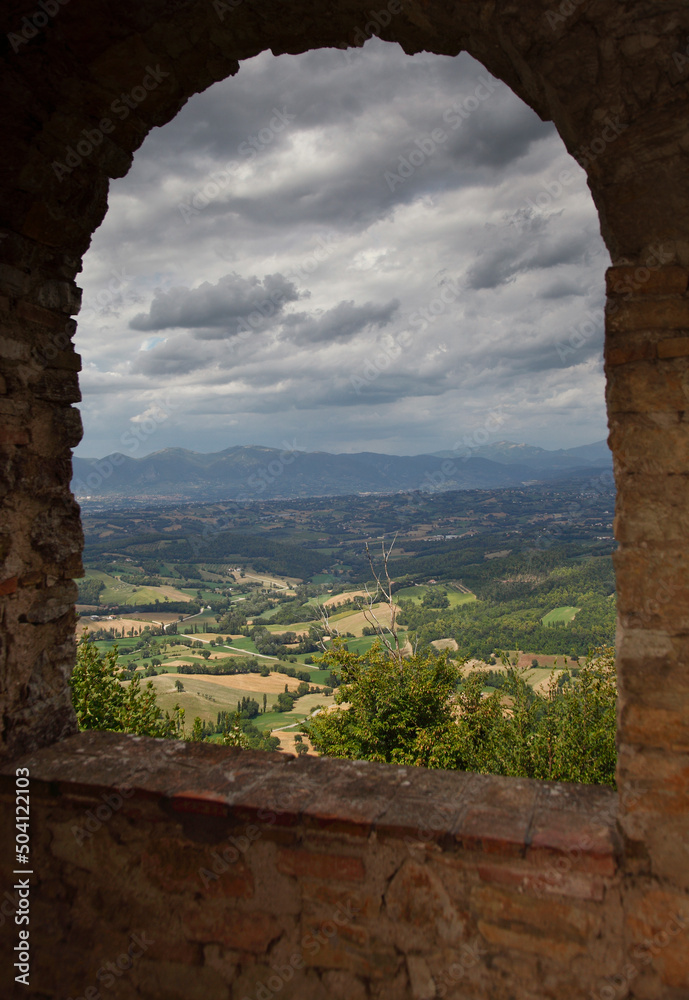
[
  {"x": 230, "y": 299},
  {"x": 503, "y": 264},
  {"x": 304, "y": 212},
  {"x": 177, "y": 355},
  {"x": 341, "y": 323}
]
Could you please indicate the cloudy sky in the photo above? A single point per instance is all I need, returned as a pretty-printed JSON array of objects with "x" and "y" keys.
[{"x": 346, "y": 251}]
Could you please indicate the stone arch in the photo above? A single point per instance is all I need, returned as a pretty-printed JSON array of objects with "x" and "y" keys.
[{"x": 612, "y": 78}]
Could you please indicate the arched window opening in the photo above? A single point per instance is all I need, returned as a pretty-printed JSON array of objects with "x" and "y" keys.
[{"x": 352, "y": 252}]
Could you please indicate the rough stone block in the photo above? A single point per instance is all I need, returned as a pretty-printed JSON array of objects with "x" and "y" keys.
[
  {"x": 639, "y": 280},
  {"x": 558, "y": 919},
  {"x": 176, "y": 981},
  {"x": 417, "y": 902},
  {"x": 210, "y": 922},
  {"x": 652, "y": 444},
  {"x": 652, "y": 510},
  {"x": 586, "y": 844},
  {"x": 9, "y": 586},
  {"x": 173, "y": 865},
  {"x": 37, "y": 314},
  {"x": 495, "y": 831},
  {"x": 649, "y": 314},
  {"x": 550, "y": 879},
  {"x": 675, "y": 347},
  {"x": 505, "y": 938},
  {"x": 653, "y": 589},
  {"x": 658, "y": 924},
  {"x": 661, "y": 728},
  {"x": 325, "y": 866},
  {"x": 638, "y": 386}
]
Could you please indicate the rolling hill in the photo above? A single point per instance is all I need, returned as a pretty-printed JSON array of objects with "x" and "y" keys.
[{"x": 252, "y": 473}]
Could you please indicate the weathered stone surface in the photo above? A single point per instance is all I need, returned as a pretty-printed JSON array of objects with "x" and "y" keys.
[
  {"x": 417, "y": 902},
  {"x": 347, "y": 911}
]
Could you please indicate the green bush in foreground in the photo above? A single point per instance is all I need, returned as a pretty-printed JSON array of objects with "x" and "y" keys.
[
  {"x": 424, "y": 710},
  {"x": 102, "y": 701}
]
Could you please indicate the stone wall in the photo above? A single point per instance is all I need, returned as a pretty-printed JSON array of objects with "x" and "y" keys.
[
  {"x": 319, "y": 879},
  {"x": 647, "y": 361},
  {"x": 614, "y": 79}
]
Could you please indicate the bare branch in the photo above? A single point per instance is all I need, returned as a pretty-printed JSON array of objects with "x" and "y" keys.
[{"x": 384, "y": 590}]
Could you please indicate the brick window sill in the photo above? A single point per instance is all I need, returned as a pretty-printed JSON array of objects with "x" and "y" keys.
[{"x": 535, "y": 836}]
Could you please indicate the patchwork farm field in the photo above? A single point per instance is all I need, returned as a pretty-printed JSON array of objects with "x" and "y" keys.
[
  {"x": 117, "y": 592},
  {"x": 473, "y": 574},
  {"x": 205, "y": 697},
  {"x": 417, "y": 593},
  {"x": 565, "y": 614},
  {"x": 243, "y": 684}
]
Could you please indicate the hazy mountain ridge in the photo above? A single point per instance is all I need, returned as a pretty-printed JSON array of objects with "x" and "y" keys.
[
  {"x": 509, "y": 453},
  {"x": 252, "y": 472}
]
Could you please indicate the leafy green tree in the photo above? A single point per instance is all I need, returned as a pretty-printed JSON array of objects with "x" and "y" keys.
[
  {"x": 285, "y": 702},
  {"x": 575, "y": 740},
  {"x": 423, "y": 710},
  {"x": 435, "y": 599},
  {"x": 102, "y": 701},
  {"x": 233, "y": 735},
  {"x": 391, "y": 703},
  {"x": 198, "y": 732}
]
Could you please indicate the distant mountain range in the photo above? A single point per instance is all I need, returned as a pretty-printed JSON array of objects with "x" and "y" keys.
[
  {"x": 257, "y": 473},
  {"x": 508, "y": 453}
]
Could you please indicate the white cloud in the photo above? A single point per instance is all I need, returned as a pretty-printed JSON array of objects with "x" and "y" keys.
[{"x": 307, "y": 298}]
